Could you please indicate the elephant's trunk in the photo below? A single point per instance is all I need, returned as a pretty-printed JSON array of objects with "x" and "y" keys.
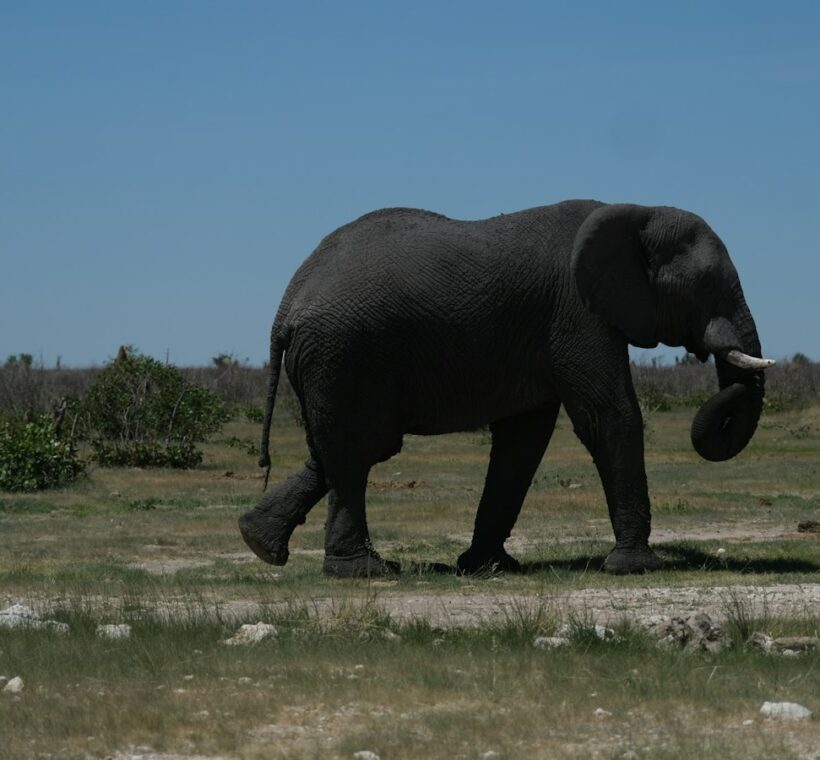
[{"x": 726, "y": 422}]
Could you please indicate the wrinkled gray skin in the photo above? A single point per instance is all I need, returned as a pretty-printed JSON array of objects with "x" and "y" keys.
[{"x": 405, "y": 321}]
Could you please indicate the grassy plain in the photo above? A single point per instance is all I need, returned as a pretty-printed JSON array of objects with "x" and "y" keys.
[{"x": 160, "y": 550}]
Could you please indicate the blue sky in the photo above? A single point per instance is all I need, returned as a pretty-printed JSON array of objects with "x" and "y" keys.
[{"x": 166, "y": 166}]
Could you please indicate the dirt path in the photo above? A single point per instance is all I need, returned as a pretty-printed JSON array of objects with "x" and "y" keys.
[
  {"x": 473, "y": 608},
  {"x": 610, "y": 605}
]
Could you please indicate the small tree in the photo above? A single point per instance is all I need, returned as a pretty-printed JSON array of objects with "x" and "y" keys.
[
  {"x": 144, "y": 413},
  {"x": 33, "y": 456},
  {"x": 225, "y": 361},
  {"x": 20, "y": 360}
]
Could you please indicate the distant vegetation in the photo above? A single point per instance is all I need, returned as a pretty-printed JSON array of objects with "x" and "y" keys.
[
  {"x": 135, "y": 411},
  {"x": 791, "y": 384},
  {"x": 27, "y": 388},
  {"x": 138, "y": 411}
]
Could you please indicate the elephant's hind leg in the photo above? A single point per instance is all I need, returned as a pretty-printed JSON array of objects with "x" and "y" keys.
[
  {"x": 348, "y": 550},
  {"x": 268, "y": 526},
  {"x": 518, "y": 445}
]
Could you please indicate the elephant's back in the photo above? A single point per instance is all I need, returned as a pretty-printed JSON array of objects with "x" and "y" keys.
[
  {"x": 397, "y": 254},
  {"x": 379, "y": 264},
  {"x": 378, "y": 242},
  {"x": 427, "y": 278}
]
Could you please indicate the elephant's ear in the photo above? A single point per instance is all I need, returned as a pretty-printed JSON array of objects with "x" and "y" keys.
[{"x": 611, "y": 268}]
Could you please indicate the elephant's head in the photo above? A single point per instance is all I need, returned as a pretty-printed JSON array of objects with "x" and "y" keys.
[{"x": 661, "y": 275}]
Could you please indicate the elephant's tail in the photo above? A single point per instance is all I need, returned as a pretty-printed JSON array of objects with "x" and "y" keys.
[{"x": 277, "y": 348}]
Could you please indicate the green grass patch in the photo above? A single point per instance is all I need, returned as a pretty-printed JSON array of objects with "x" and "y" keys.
[{"x": 352, "y": 679}]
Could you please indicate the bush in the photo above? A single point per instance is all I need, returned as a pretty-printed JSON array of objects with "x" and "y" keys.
[
  {"x": 143, "y": 413},
  {"x": 251, "y": 413},
  {"x": 34, "y": 457},
  {"x": 145, "y": 454}
]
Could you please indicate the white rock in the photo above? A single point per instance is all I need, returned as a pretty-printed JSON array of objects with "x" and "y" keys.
[
  {"x": 14, "y": 686},
  {"x": 797, "y": 643},
  {"x": 566, "y": 631},
  {"x": 788, "y": 646},
  {"x": 652, "y": 621},
  {"x": 550, "y": 642},
  {"x": 695, "y": 633},
  {"x": 785, "y": 711},
  {"x": 20, "y": 616},
  {"x": 761, "y": 641},
  {"x": 250, "y": 634},
  {"x": 114, "y": 631},
  {"x": 18, "y": 611},
  {"x": 672, "y": 631},
  {"x": 748, "y": 722},
  {"x": 605, "y": 634},
  {"x": 601, "y": 713},
  {"x": 705, "y": 635},
  {"x": 366, "y": 754}
]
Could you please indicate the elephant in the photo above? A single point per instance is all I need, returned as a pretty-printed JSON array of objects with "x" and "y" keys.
[{"x": 405, "y": 321}]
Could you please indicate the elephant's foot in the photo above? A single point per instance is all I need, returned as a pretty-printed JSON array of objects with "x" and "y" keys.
[
  {"x": 268, "y": 537},
  {"x": 477, "y": 561},
  {"x": 368, "y": 564},
  {"x": 626, "y": 561}
]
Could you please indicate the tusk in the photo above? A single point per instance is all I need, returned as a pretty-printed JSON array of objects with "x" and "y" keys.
[{"x": 744, "y": 361}]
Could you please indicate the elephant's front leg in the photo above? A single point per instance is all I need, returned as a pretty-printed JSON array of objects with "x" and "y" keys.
[
  {"x": 518, "y": 445},
  {"x": 612, "y": 430}
]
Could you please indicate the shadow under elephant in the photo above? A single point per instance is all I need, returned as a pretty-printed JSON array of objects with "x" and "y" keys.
[{"x": 678, "y": 557}]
